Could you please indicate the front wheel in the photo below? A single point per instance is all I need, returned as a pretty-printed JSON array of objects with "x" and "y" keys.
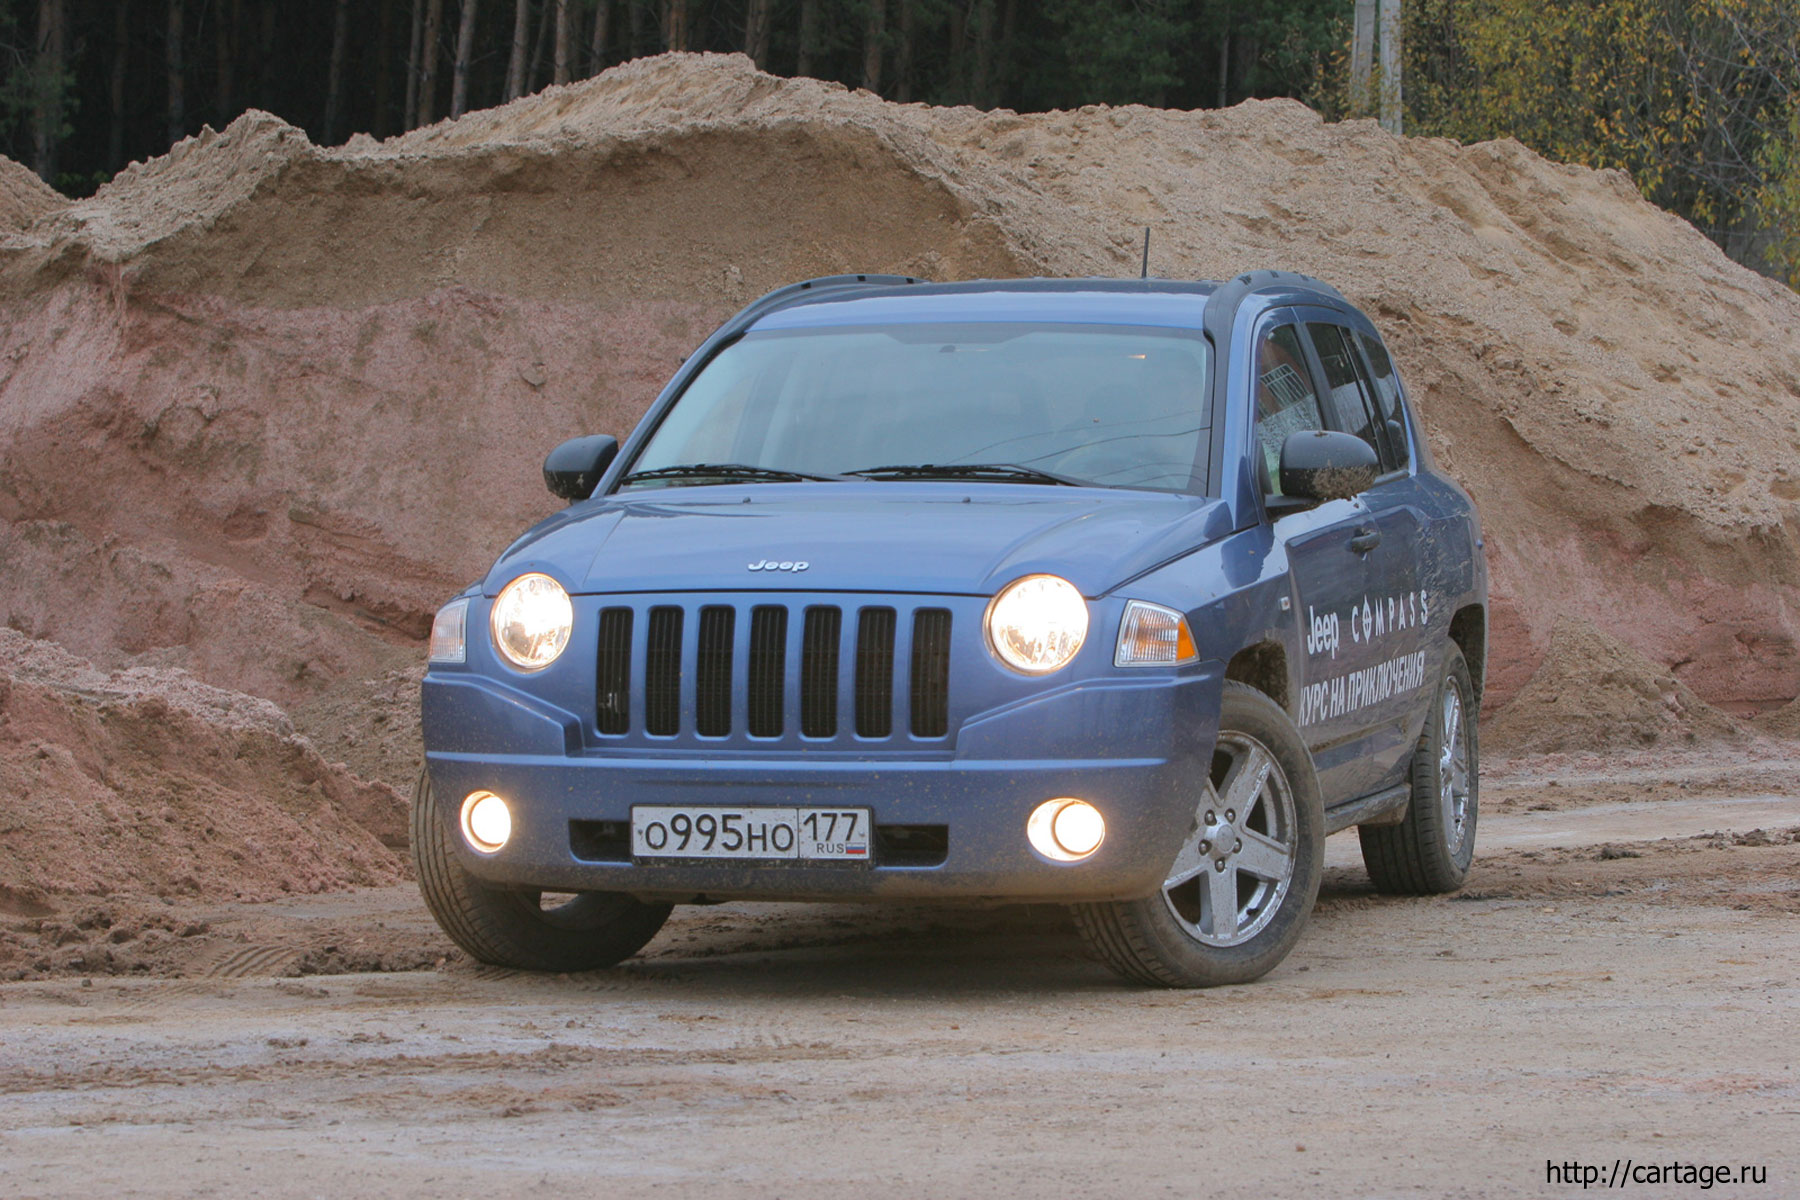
[
  {"x": 1233, "y": 902},
  {"x": 514, "y": 928},
  {"x": 1431, "y": 850}
]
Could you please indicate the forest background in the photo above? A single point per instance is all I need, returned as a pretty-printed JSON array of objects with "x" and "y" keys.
[{"x": 1699, "y": 100}]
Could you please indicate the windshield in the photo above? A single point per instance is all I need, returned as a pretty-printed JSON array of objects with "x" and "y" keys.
[{"x": 1100, "y": 405}]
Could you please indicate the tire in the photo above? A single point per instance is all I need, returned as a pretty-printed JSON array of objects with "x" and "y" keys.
[
  {"x": 1430, "y": 851},
  {"x": 1172, "y": 938},
  {"x": 512, "y": 928}
]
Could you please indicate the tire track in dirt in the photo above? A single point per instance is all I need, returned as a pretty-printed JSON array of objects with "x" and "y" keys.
[{"x": 254, "y": 960}]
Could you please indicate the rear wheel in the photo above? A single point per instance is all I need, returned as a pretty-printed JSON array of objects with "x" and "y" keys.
[
  {"x": 1431, "y": 850},
  {"x": 527, "y": 929},
  {"x": 1233, "y": 902}
]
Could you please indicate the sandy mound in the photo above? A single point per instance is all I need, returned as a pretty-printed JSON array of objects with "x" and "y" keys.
[
  {"x": 264, "y": 405},
  {"x": 1780, "y": 722},
  {"x": 1595, "y": 693},
  {"x": 147, "y": 781},
  {"x": 370, "y": 724},
  {"x": 23, "y": 196}
]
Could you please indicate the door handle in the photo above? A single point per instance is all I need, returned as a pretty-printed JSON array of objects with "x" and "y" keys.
[{"x": 1366, "y": 539}]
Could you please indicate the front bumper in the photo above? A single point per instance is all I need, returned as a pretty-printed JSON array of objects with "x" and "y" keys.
[{"x": 1137, "y": 747}]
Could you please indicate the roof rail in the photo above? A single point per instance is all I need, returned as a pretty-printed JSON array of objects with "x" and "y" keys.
[
  {"x": 1270, "y": 280},
  {"x": 1222, "y": 306},
  {"x": 786, "y": 295}
]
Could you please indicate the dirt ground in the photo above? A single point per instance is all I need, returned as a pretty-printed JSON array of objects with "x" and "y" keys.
[{"x": 1618, "y": 980}]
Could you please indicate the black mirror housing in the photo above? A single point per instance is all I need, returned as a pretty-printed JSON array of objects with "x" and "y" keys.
[
  {"x": 1323, "y": 464},
  {"x": 572, "y": 471}
]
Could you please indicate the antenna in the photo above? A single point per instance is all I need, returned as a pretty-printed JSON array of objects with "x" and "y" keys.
[{"x": 1145, "y": 274}]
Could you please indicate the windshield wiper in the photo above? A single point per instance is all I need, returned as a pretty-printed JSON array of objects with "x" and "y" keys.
[
  {"x": 725, "y": 472},
  {"x": 992, "y": 472}
]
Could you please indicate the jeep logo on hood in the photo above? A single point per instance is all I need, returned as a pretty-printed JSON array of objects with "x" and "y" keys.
[{"x": 769, "y": 564}]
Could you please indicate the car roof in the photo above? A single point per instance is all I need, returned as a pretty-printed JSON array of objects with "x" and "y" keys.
[
  {"x": 882, "y": 300},
  {"x": 1076, "y": 301}
]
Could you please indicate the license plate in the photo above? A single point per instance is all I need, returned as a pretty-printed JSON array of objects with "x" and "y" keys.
[{"x": 677, "y": 831}]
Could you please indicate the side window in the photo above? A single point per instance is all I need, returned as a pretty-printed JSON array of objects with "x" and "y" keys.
[
  {"x": 1285, "y": 400},
  {"x": 1351, "y": 406},
  {"x": 1387, "y": 395}
]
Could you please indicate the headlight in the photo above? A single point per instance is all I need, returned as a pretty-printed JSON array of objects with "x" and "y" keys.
[
  {"x": 531, "y": 621},
  {"x": 449, "y": 643},
  {"x": 1154, "y": 636},
  {"x": 1036, "y": 624}
]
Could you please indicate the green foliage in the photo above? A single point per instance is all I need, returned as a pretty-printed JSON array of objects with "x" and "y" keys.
[
  {"x": 1694, "y": 98},
  {"x": 1122, "y": 51},
  {"x": 1778, "y": 201},
  {"x": 1298, "y": 41}
]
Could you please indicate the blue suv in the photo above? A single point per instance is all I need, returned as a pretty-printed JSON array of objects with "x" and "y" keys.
[{"x": 1118, "y": 594}]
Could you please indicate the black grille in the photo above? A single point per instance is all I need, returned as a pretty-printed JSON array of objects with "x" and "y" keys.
[
  {"x": 875, "y": 673},
  {"x": 819, "y": 672},
  {"x": 600, "y": 841},
  {"x": 768, "y": 669},
  {"x": 712, "y": 672},
  {"x": 662, "y": 673},
  {"x": 931, "y": 673},
  {"x": 704, "y": 672},
  {"x": 612, "y": 684},
  {"x": 912, "y": 845}
]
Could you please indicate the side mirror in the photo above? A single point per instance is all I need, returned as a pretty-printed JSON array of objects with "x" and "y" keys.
[
  {"x": 572, "y": 471},
  {"x": 1322, "y": 464}
]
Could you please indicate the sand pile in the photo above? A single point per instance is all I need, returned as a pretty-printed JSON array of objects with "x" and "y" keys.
[
  {"x": 1780, "y": 722},
  {"x": 23, "y": 196},
  {"x": 264, "y": 405},
  {"x": 1593, "y": 692},
  {"x": 147, "y": 781}
]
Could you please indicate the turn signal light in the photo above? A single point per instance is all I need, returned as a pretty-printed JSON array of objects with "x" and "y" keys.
[{"x": 1154, "y": 636}]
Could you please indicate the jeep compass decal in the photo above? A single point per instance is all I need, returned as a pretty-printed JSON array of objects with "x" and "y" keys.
[
  {"x": 1368, "y": 622},
  {"x": 1331, "y": 698}
]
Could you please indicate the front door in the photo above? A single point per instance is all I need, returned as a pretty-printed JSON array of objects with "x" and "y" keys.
[{"x": 1329, "y": 549}]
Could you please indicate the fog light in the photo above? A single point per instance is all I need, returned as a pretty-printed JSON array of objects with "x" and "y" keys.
[
  {"x": 486, "y": 821},
  {"x": 1066, "y": 830}
]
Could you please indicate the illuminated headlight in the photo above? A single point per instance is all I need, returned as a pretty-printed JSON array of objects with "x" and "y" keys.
[
  {"x": 1154, "y": 636},
  {"x": 531, "y": 621},
  {"x": 449, "y": 640},
  {"x": 1035, "y": 625}
]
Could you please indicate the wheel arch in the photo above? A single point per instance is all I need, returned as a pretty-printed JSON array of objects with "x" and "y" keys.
[
  {"x": 1264, "y": 666},
  {"x": 1468, "y": 629}
]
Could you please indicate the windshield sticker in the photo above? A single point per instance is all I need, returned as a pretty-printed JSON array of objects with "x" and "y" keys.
[{"x": 1329, "y": 699}]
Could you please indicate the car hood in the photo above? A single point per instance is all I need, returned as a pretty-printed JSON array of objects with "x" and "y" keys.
[{"x": 880, "y": 537}]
